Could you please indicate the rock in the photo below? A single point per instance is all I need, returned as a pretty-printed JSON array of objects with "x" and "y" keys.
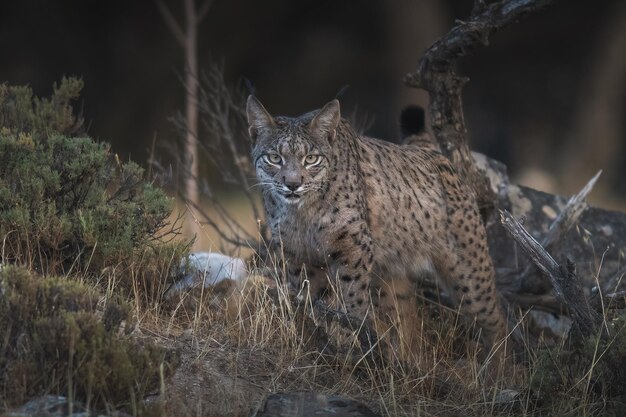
[
  {"x": 557, "y": 325},
  {"x": 508, "y": 402},
  {"x": 56, "y": 406},
  {"x": 506, "y": 396},
  {"x": 597, "y": 245},
  {"x": 311, "y": 404},
  {"x": 186, "y": 335},
  {"x": 207, "y": 269}
]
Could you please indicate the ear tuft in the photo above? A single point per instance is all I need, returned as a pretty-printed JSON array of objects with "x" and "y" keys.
[
  {"x": 258, "y": 118},
  {"x": 327, "y": 120}
]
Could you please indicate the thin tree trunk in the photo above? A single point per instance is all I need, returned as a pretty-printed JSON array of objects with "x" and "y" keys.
[
  {"x": 191, "y": 109},
  {"x": 188, "y": 41}
]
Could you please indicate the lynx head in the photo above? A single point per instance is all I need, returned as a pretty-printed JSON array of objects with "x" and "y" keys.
[{"x": 292, "y": 156}]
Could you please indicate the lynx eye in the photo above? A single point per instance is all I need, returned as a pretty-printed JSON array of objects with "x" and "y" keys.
[
  {"x": 311, "y": 160},
  {"x": 274, "y": 158}
]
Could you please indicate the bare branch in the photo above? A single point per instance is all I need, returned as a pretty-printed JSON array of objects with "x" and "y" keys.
[
  {"x": 436, "y": 74},
  {"x": 566, "y": 219},
  {"x": 224, "y": 120},
  {"x": 223, "y": 148},
  {"x": 203, "y": 11},
  {"x": 171, "y": 22},
  {"x": 169, "y": 230},
  {"x": 467, "y": 37},
  {"x": 566, "y": 284},
  {"x": 233, "y": 239},
  {"x": 569, "y": 216}
]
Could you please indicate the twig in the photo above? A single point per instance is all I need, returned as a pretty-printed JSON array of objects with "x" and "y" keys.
[
  {"x": 233, "y": 238},
  {"x": 566, "y": 284},
  {"x": 223, "y": 147},
  {"x": 219, "y": 104},
  {"x": 569, "y": 216},
  {"x": 172, "y": 232},
  {"x": 171, "y": 22},
  {"x": 203, "y": 11}
]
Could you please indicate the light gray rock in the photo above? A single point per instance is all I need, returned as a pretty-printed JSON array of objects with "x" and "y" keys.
[{"x": 207, "y": 269}]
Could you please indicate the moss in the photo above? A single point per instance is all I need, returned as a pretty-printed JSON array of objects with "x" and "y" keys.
[{"x": 54, "y": 341}]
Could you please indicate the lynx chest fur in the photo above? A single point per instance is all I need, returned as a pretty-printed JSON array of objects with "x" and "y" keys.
[{"x": 361, "y": 215}]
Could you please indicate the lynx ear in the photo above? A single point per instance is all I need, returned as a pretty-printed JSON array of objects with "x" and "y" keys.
[
  {"x": 258, "y": 118},
  {"x": 327, "y": 120}
]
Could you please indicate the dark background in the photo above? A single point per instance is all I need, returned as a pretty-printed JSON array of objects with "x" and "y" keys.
[{"x": 547, "y": 97}]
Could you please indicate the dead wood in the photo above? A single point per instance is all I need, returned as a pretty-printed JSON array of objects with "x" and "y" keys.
[
  {"x": 567, "y": 218},
  {"x": 595, "y": 238},
  {"x": 436, "y": 74},
  {"x": 567, "y": 286}
]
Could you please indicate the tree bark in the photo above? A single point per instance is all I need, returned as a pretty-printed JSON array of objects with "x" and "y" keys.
[
  {"x": 191, "y": 108},
  {"x": 188, "y": 40},
  {"x": 436, "y": 74}
]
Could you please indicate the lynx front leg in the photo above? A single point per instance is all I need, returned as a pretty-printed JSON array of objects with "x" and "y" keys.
[{"x": 351, "y": 263}]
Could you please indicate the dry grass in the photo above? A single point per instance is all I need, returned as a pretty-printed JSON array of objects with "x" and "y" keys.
[
  {"x": 237, "y": 342},
  {"x": 257, "y": 326},
  {"x": 260, "y": 335}
]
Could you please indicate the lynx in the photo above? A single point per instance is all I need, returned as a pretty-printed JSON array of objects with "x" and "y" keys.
[{"x": 362, "y": 215}]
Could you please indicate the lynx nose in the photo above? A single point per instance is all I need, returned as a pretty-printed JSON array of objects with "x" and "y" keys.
[{"x": 292, "y": 182}]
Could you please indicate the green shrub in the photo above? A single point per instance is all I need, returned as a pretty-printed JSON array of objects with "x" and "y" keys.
[
  {"x": 67, "y": 203},
  {"x": 20, "y": 112},
  {"x": 80, "y": 221},
  {"x": 54, "y": 341}
]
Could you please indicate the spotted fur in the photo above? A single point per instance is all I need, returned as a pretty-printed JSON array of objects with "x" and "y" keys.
[{"x": 370, "y": 214}]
